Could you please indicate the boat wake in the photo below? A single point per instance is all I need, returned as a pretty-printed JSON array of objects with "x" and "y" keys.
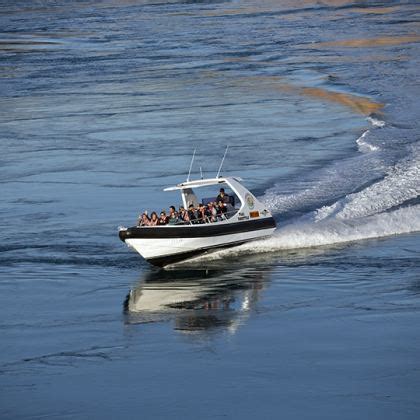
[
  {"x": 377, "y": 123},
  {"x": 302, "y": 235},
  {"x": 400, "y": 185},
  {"x": 364, "y": 145},
  {"x": 384, "y": 207}
]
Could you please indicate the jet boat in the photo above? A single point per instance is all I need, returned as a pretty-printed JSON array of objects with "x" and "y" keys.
[{"x": 247, "y": 219}]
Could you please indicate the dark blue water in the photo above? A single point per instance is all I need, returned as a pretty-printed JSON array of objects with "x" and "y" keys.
[{"x": 101, "y": 105}]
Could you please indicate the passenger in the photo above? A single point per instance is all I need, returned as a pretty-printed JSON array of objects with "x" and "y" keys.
[
  {"x": 173, "y": 216},
  {"x": 208, "y": 213},
  {"x": 223, "y": 197},
  {"x": 154, "y": 221},
  {"x": 202, "y": 217},
  {"x": 143, "y": 219},
  {"x": 212, "y": 212},
  {"x": 163, "y": 219},
  {"x": 183, "y": 214},
  {"x": 221, "y": 210},
  {"x": 192, "y": 214}
]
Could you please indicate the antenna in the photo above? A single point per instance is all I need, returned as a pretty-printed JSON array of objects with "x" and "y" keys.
[
  {"x": 192, "y": 160},
  {"x": 221, "y": 163}
]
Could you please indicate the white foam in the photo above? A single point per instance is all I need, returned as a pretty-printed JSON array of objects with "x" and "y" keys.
[
  {"x": 364, "y": 145},
  {"x": 328, "y": 184},
  {"x": 307, "y": 235},
  {"x": 383, "y": 208},
  {"x": 403, "y": 220},
  {"x": 379, "y": 210},
  {"x": 325, "y": 211},
  {"x": 375, "y": 122},
  {"x": 402, "y": 183},
  {"x": 362, "y": 142}
]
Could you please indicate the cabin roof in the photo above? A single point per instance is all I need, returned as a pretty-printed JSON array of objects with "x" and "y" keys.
[{"x": 200, "y": 183}]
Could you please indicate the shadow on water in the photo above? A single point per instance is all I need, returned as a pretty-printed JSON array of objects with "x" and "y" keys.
[{"x": 217, "y": 299}]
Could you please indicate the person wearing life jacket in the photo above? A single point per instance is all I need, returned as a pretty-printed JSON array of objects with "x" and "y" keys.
[
  {"x": 143, "y": 219},
  {"x": 163, "y": 219},
  {"x": 173, "y": 216},
  {"x": 183, "y": 214},
  {"x": 154, "y": 220},
  {"x": 221, "y": 210},
  {"x": 192, "y": 214},
  {"x": 212, "y": 212},
  {"x": 201, "y": 212}
]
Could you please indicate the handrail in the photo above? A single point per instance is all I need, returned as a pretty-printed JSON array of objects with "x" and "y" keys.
[
  {"x": 198, "y": 221},
  {"x": 206, "y": 219}
]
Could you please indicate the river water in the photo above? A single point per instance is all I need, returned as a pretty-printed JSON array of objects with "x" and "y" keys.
[{"x": 102, "y": 103}]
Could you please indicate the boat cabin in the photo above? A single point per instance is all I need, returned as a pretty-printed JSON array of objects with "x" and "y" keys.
[{"x": 241, "y": 204}]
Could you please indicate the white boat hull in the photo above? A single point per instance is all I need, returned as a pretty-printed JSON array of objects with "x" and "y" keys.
[{"x": 163, "y": 251}]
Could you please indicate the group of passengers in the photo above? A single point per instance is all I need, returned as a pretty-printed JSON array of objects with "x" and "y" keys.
[{"x": 212, "y": 212}]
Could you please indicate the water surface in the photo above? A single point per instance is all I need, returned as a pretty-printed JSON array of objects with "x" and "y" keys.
[{"x": 101, "y": 106}]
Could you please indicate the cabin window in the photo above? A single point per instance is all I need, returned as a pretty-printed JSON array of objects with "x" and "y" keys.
[{"x": 209, "y": 194}]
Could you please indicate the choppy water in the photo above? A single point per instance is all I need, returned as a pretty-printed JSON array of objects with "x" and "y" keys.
[{"x": 101, "y": 105}]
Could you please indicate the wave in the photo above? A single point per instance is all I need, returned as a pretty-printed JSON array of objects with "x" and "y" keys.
[
  {"x": 400, "y": 185},
  {"x": 389, "y": 206},
  {"x": 364, "y": 145},
  {"x": 301, "y": 235},
  {"x": 329, "y": 232},
  {"x": 332, "y": 182},
  {"x": 327, "y": 186},
  {"x": 376, "y": 122}
]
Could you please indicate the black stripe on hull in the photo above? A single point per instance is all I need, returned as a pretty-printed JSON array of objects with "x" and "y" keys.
[
  {"x": 196, "y": 231},
  {"x": 174, "y": 258}
]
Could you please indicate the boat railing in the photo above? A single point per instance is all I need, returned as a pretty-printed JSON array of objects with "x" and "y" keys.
[
  {"x": 205, "y": 219},
  {"x": 199, "y": 220}
]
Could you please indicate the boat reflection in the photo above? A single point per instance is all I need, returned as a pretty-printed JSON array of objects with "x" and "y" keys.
[{"x": 197, "y": 300}]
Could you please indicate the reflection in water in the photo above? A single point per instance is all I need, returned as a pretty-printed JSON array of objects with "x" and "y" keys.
[
  {"x": 196, "y": 300},
  {"x": 382, "y": 41},
  {"x": 360, "y": 104}
]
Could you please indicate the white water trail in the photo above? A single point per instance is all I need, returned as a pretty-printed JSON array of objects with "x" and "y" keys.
[
  {"x": 375, "y": 122},
  {"x": 344, "y": 175},
  {"x": 302, "y": 235},
  {"x": 364, "y": 145},
  {"x": 362, "y": 142},
  {"x": 385, "y": 208},
  {"x": 401, "y": 184},
  {"x": 330, "y": 183}
]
